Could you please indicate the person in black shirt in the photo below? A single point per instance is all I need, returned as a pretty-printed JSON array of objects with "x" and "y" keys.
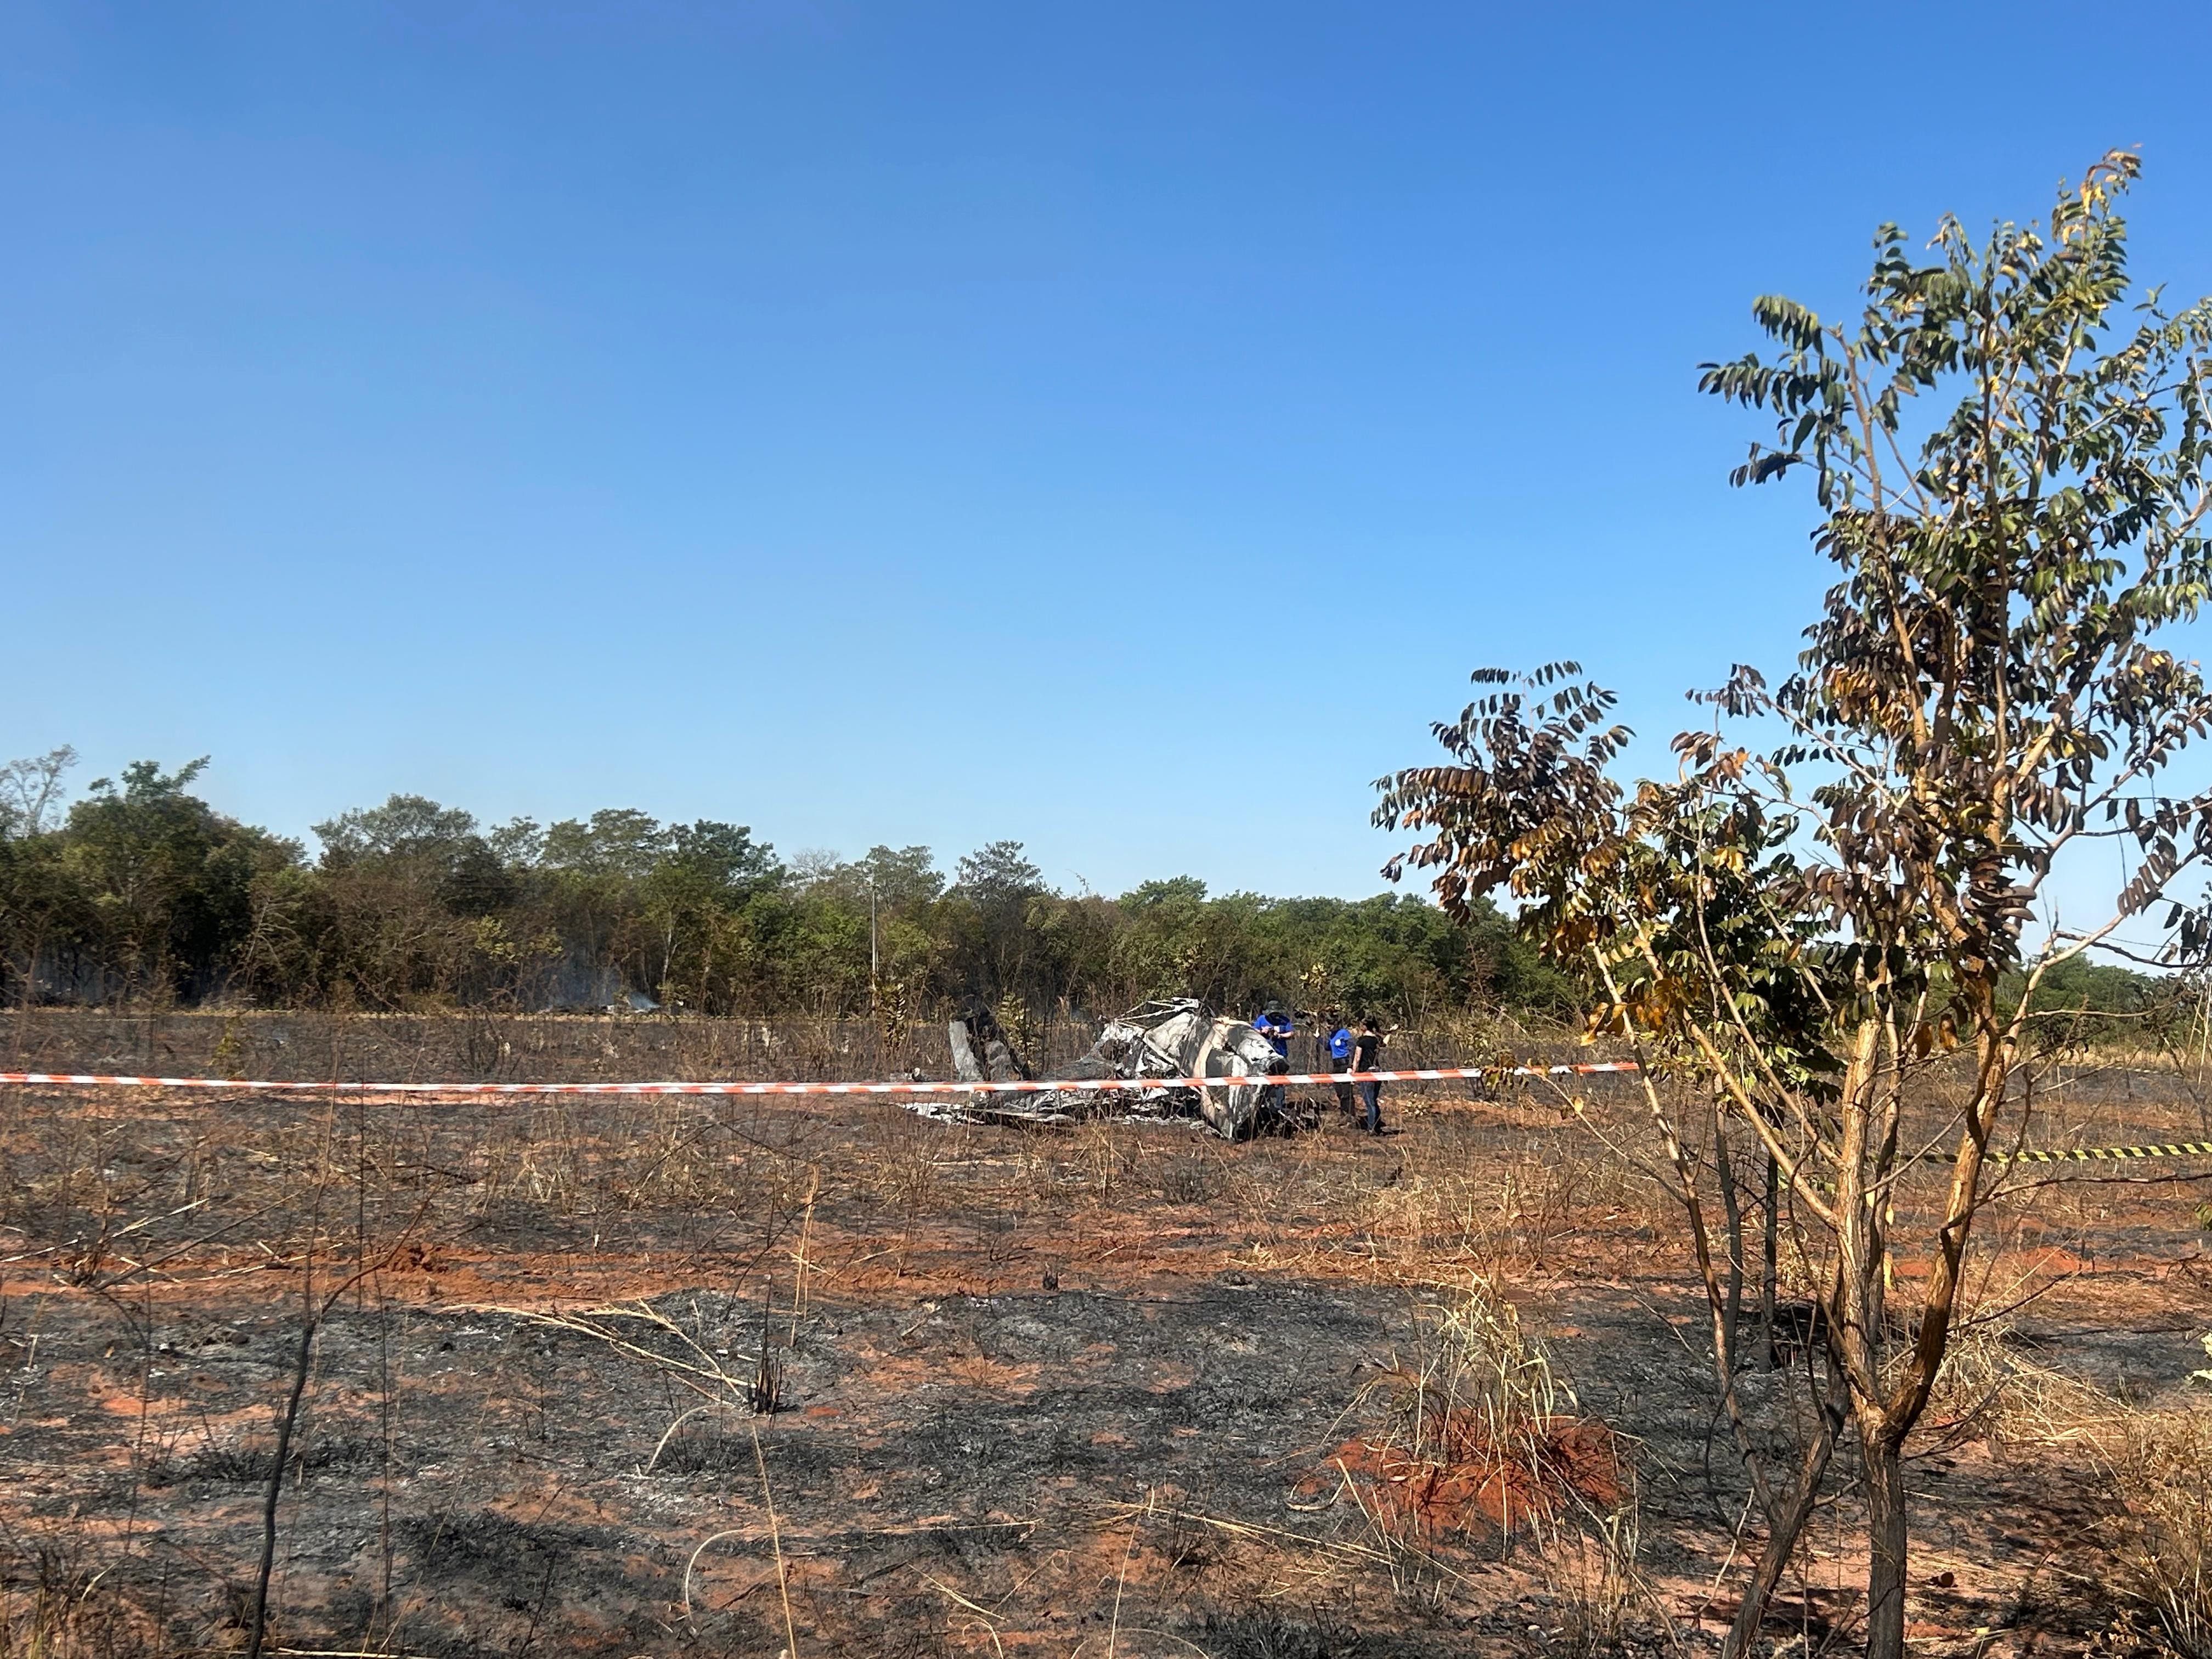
[{"x": 1366, "y": 1049}]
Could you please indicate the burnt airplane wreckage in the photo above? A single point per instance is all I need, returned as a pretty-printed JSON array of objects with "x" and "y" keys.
[{"x": 1176, "y": 1037}]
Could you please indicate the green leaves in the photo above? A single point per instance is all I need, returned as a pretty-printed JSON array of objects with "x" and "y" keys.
[
  {"x": 1531, "y": 774},
  {"x": 1789, "y": 322},
  {"x": 2012, "y": 473}
]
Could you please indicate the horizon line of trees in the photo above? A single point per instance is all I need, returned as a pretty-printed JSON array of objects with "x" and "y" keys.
[{"x": 140, "y": 892}]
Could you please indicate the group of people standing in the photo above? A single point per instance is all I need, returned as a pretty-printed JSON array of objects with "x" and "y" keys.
[{"x": 1339, "y": 1049}]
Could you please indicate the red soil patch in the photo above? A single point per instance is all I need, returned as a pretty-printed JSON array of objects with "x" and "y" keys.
[{"x": 1479, "y": 1490}]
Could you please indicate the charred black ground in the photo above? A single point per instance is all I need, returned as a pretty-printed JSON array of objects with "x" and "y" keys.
[{"x": 1059, "y": 1391}]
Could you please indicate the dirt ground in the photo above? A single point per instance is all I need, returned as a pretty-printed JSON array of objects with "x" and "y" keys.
[{"x": 1107, "y": 1389}]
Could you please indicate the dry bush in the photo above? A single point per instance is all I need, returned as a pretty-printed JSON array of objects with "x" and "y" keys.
[
  {"x": 540, "y": 1161},
  {"x": 1988, "y": 1388},
  {"x": 1103, "y": 1163},
  {"x": 1595, "y": 1573},
  {"x": 1496, "y": 1214},
  {"x": 1188, "y": 1174},
  {"x": 1461, "y": 1444},
  {"x": 1481, "y": 1427},
  {"x": 2165, "y": 1547},
  {"x": 902, "y": 1165},
  {"x": 2160, "y": 1464},
  {"x": 1472, "y": 1436},
  {"x": 54, "y": 1607},
  {"x": 663, "y": 1155},
  {"x": 1478, "y": 1386},
  {"x": 1435, "y": 1212},
  {"x": 672, "y": 1156},
  {"x": 1477, "y": 1438}
]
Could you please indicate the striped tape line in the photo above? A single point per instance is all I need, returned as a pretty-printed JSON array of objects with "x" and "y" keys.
[
  {"x": 2084, "y": 1154},
  {"x": 1073, "y": 1086}
]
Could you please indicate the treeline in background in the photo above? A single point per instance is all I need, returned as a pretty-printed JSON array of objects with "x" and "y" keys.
[{"x": 140, "y": 893}]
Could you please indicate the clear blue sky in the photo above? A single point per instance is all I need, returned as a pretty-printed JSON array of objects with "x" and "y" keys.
[{"x": 1115, "y": 428}]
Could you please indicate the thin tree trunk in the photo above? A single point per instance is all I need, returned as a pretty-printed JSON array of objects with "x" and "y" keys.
[
  {"x": 1771, "y": 1267},
  {"x": 1732, "y": 1320},
  {"x": 1782, "y": 1537},
  {"x": 312, "y": 1314},
  {"x": 1886, "y": 1558},
  {"x": 259, "y": 1622}
]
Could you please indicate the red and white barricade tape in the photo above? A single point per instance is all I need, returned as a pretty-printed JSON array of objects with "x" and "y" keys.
[{"x": 1071, "y": 1085}]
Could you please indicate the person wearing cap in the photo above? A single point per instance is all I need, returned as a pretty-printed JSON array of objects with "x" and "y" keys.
[{"x": 1273, "y": 1023}]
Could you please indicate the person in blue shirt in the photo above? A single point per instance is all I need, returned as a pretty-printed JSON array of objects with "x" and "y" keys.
[
  {"x": 1334, "y": 1039},
  {"x": 1273, "y": 1023}
]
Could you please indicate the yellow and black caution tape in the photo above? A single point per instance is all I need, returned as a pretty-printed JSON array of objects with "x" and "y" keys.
[
  {"x": 2086, "y": 1154},
  {"x": 2072, "y": 1155}
]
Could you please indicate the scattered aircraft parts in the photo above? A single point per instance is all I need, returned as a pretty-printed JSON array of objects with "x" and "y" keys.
[{"x": 1168, "y": 1037}]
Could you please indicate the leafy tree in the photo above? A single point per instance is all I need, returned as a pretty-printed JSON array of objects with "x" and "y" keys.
[
  {"x": 2012, "y": 476},
  {"x": 407, "y": 890},
  {"x": 31, "y": 792},
  {"x": 43, "y": 914},
  {"x": 901, "y": 879},
  {"x": 1161, "y": 949},
  {"x": 39, "y": 906},
  {"x": 692, "y": 896},
  {"x": 619, "y": 841},
  {"x": 517, "y": 843},
  {"x": 166, "y": 879},
  {"x": 995, "y": 884},
  {"x": 413, "y": 839},
  {"x": 997, "y": 879},
  {"x": 405, "y": 826},
  {"x": 723, "y": 856}
]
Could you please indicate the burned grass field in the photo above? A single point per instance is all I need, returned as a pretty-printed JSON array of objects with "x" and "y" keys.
[{"x": 662, "y": 1374}]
